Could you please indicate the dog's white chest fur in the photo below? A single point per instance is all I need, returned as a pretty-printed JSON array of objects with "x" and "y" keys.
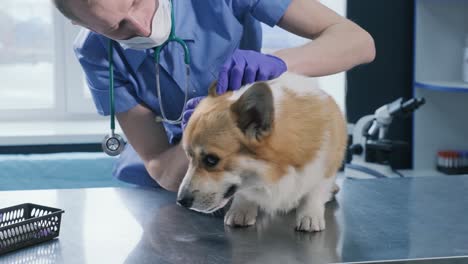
[{"x": 285, "y": 194}]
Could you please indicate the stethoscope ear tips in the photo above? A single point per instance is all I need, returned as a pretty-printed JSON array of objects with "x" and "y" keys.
[{"x": 113, "y": 144}]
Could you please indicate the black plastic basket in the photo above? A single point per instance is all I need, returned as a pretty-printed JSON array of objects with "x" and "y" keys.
[{"x": 27, "y": 224}]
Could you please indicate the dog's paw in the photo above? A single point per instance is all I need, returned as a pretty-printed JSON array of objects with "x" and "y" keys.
[
  {"x": 310, "y": 223},
  {"x": 241, "y": 216},
  {"x": 311, "y": 219}
]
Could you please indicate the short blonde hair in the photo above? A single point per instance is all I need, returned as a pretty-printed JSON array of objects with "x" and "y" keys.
[{"x": 64, "y": 7}]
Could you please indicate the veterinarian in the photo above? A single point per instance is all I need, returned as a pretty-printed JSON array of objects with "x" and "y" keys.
[{"x": 222, "y": 40}]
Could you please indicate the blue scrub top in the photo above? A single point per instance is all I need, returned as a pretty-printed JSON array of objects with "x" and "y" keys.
[{"x": 212, "y": 29}]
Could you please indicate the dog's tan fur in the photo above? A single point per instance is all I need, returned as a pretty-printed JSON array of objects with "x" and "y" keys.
[
  {"x": 307, "y": 129},
  {"x": 303, "y": 117}
]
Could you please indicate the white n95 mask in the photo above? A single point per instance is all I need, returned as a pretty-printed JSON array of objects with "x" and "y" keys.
[{"x": 160, "y": 30}]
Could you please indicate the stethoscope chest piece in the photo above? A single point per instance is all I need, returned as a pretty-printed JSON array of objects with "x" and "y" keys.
[{"x": 113, "y": 145}]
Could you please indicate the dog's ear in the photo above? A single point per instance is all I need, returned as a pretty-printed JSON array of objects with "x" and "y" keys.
[
  {"x": 254, "y": 111},
  {"x": 212, "y": 89}
]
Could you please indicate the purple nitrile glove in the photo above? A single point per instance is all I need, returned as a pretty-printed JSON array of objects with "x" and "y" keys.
[
  {"x": 248, "y": 66},
  {"x": 190, "y": 107}
]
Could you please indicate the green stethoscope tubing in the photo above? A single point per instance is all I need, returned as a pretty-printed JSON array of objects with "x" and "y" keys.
[
  {"x": 173, "y": 37},
  {"x": 111, "y": 87},
  {"x": 157, "y": 54},
  {"x": 113, "y": 144}
]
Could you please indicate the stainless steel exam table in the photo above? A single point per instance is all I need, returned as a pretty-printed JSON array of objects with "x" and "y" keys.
[{"x": 378, "y": 219}]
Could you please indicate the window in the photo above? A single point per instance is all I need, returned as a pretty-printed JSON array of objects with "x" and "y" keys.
[
  {"x": 40, "y": 75},
  {"x": 26, "y": 55}
]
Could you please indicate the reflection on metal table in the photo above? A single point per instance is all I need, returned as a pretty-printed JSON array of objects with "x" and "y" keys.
[{"x": 379, "y": 219}]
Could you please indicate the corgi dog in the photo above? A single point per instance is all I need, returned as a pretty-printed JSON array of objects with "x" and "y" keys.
[{"x": 274, "y": 145}]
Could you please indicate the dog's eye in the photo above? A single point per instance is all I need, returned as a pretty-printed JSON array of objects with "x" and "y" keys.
[{"x": 210, "y": 160}]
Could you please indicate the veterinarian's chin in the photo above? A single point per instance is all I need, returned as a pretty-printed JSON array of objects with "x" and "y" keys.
[{"x": 207, "y": 195}]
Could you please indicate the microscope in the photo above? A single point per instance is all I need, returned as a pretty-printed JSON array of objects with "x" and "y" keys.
[{"x": 371, "y": 152}]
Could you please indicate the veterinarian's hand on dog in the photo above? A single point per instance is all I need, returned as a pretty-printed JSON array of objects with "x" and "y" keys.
[
  {"x": 248, "y": 66},
  {"x": 243, "y": 67},
  {"x": 191, "y": 104}
]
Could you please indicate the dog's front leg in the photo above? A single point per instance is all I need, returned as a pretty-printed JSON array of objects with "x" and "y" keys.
[
  {"x": 310, "y": 215},
  {"x": 242, "y": 212}
]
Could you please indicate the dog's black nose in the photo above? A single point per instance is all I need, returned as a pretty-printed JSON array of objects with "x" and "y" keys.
[{"x": 185, "y": 201}]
